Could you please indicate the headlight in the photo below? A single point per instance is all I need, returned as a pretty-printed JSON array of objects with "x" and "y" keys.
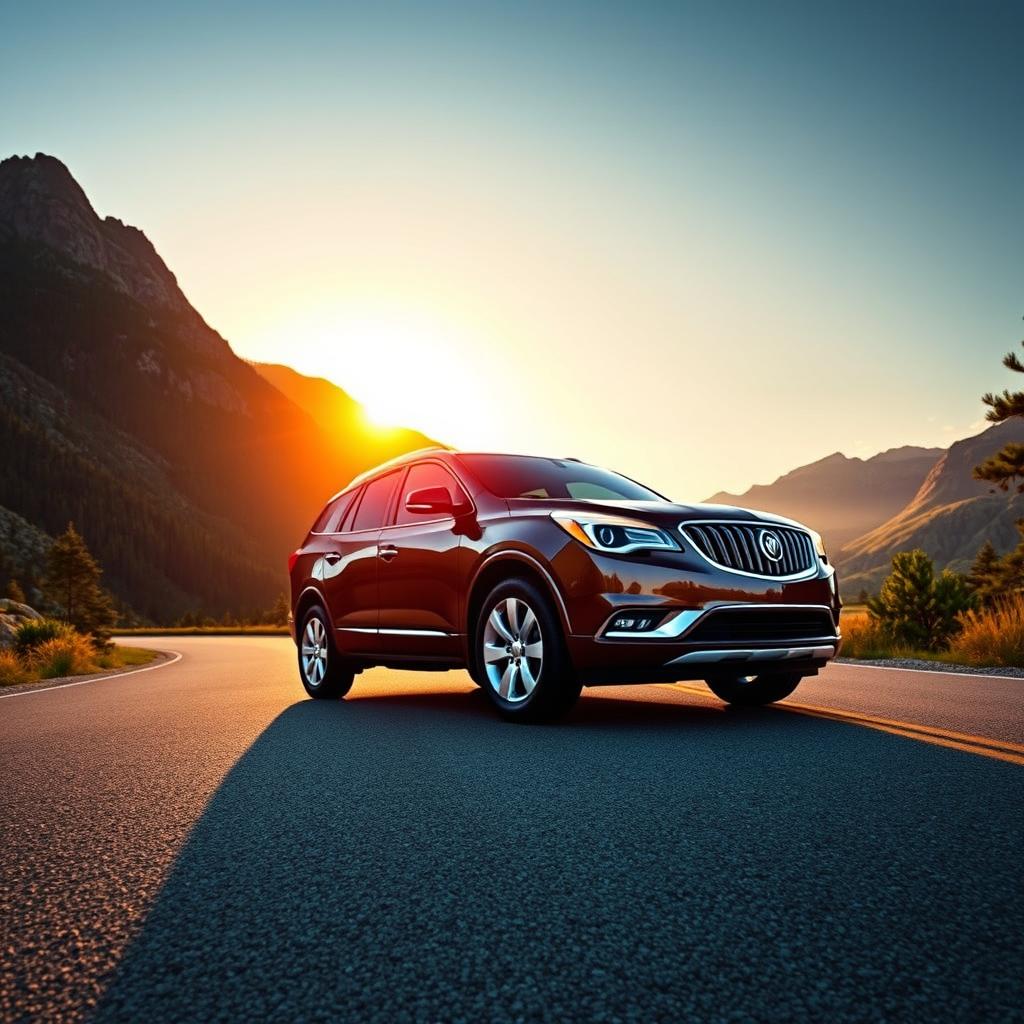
[
  {"x": 612, "y": 534},
  {"x": 819, "y": 545}
]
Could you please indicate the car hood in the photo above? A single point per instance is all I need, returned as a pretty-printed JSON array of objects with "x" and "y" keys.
[{"x": 660, "y": 513}]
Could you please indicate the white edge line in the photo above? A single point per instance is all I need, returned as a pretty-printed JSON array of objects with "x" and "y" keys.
[
  {"x": 95, "y": 679},
  {"x": 853, "y": 663}
]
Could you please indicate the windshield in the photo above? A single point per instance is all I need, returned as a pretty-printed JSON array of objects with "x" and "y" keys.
[{"x": 526, "y": 476}]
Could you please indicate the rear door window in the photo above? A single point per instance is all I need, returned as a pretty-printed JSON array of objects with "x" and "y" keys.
[{"x": 376, "y": 503}]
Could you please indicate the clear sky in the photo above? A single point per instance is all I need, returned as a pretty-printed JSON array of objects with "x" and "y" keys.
[{"x": 700, "y": 243}]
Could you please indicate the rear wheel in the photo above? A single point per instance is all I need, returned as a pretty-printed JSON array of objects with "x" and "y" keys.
[
  {"x": 750, "y": 691},
  {"x": 323, "y": 672},
  {"x": 523, "y": 664}
]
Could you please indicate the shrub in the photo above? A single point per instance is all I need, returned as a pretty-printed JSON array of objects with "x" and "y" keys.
[
  {"x": 916, "y": 607},
  {"x": 33, "y": 633},
  {"x": 69, "y": 655},
  {"x": 11, "y": 669},
  {"x": 992, "y": 636}
]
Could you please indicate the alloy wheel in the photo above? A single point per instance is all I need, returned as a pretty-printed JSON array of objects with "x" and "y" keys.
[
  {"x": 513, "y": 649},
  {"x": 314, "y": 652}
]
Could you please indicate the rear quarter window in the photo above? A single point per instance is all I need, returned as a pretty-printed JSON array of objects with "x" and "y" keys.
[{"x": 330, "y": 519}]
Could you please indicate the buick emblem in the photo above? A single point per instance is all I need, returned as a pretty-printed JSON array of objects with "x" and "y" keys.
[{"x": 770, "y": 545}]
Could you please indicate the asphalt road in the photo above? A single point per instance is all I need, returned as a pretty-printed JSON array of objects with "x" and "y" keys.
[{"x": 201, "y": 843}]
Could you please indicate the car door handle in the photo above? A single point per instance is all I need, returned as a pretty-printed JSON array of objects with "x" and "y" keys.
[
  {"x": 332, "y": 557},
  {"x": 387, "y": 552}
]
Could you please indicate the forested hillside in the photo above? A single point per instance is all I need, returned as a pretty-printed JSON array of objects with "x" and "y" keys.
[{"x": 190, "y": 476}]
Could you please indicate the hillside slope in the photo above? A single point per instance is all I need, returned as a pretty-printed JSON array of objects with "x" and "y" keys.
[
  {"x": 338, "y": 414},
  {"x": 950, "y": 516},
  {"x": 189, "y": 474},
  {"x": 840, "y": 497}
]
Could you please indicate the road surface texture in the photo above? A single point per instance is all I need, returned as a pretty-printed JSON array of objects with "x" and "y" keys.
[{"x": 200, "y": 842}]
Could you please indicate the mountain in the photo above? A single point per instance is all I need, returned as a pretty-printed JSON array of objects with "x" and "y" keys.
[
  {"x": 190, "y": 475},
  {"x": 950, "y": 516},
  {"x": 339, "y": 414},
  {"x": 840, "y": 497}
]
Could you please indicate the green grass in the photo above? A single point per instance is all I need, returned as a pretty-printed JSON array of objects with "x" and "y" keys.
[{"x": 124, "y": 657}]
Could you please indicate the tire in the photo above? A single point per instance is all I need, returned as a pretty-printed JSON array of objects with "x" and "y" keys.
[
  {"x": 520, "y": 649},
  {"x": 322, "y": 670},
  {"x": 752, "y": 691}
]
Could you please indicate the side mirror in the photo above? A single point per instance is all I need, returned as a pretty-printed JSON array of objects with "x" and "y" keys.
[{"x": 430, "y": 501}]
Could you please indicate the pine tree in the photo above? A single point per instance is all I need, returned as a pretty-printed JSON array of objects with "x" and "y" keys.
[
  {"x": 73, "y": 583},
  {"x": 916, "y": 607},
  {"x": 985, "y": 577},
  {"x": 278, "y": 615},
  {"x": 15, "y": 593},
  {"x": 1006, "y": 466},
  {"x": 1011, "y": 574}
]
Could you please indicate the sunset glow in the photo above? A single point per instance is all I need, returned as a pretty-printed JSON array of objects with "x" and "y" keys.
[
  {"x": 404, "y": 367},
  {"x": 561, "y": 230}
]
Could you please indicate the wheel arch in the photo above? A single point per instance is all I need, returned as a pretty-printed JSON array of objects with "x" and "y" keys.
[
  {"x": 503, "y": 566},
  {"x": 309, "y": 597}
]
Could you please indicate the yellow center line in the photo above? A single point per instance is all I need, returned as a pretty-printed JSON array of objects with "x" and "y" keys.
[{"x": 984, "y": 746}]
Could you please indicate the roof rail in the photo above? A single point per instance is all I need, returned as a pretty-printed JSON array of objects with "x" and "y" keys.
[{"x": 427, "y": 448}]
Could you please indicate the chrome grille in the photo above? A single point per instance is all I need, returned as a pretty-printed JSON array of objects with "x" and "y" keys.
[{"x": 741, "y": 547}]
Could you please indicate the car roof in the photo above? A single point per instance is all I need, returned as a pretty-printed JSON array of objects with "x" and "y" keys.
[{"x": 446, "y": 453}]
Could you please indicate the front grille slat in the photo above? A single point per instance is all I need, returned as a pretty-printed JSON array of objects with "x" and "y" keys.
[
  {"x": 790, "y": 557},
  {"x": 737, "y": 545}
]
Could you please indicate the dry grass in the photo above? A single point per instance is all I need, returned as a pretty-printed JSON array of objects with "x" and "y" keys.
[
  {"x": 863, "y": 637},
  {"x": 992, "y": 636},
  {"x": 72, "y": 655},
  {"x": 11, "y": 669}
]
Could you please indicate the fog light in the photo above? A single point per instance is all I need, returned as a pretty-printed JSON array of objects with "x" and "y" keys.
[{"x": 630, "y": 623}]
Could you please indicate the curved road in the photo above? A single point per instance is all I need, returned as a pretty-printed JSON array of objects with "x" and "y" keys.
[{"x": 201, "y": 843}]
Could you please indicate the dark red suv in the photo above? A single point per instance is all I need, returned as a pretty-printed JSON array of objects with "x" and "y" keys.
[{"x": 543, "y": 575}]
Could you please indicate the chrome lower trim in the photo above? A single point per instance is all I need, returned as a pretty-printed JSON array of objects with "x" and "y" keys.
[
  {"x": 754, "y": 654},
  {"x": 413, "y": 632},
  {"x": 394, "y": 632},
  {"x": 682, "y": 622}
]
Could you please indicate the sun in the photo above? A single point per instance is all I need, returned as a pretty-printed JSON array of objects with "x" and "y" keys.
[{"x": 406, "y": 368}]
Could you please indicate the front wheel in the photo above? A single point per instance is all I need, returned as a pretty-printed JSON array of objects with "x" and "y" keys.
[
  {"x": 751, "y": 691},
  {"x": 323, "y": 672},
  {"x": 523, "y": 664}
]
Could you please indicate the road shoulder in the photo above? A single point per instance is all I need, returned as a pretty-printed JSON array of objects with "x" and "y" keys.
[
  {"x": 923, "y": 665},
  {"x": 161, "y": 659}
]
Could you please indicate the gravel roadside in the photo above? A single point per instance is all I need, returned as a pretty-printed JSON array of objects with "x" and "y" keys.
[
  {"x": 50, "y": 684},
  {"x": 921, "y": 665}
]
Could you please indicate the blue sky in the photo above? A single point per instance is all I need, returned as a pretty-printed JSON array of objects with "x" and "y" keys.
[{"x": 703, "y": 243}]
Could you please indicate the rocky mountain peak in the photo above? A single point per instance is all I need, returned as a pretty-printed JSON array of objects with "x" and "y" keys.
[{"x": 40, "y": 201}]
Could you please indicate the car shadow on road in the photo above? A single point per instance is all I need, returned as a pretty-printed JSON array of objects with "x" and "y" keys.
[{"x": 412, "y": 857}]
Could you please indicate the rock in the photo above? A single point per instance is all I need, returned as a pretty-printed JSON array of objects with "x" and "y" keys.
[
  {"x": 13, "y": 615},
  {"x": 9, "y": 607}
]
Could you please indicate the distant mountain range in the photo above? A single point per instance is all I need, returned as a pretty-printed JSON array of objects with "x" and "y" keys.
[
  {"x": 868, "y": 509},
  {"x": 193, "y": 473},
  {"x": 843, "y": 497},
  {"x": 190, "y": 474}
]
